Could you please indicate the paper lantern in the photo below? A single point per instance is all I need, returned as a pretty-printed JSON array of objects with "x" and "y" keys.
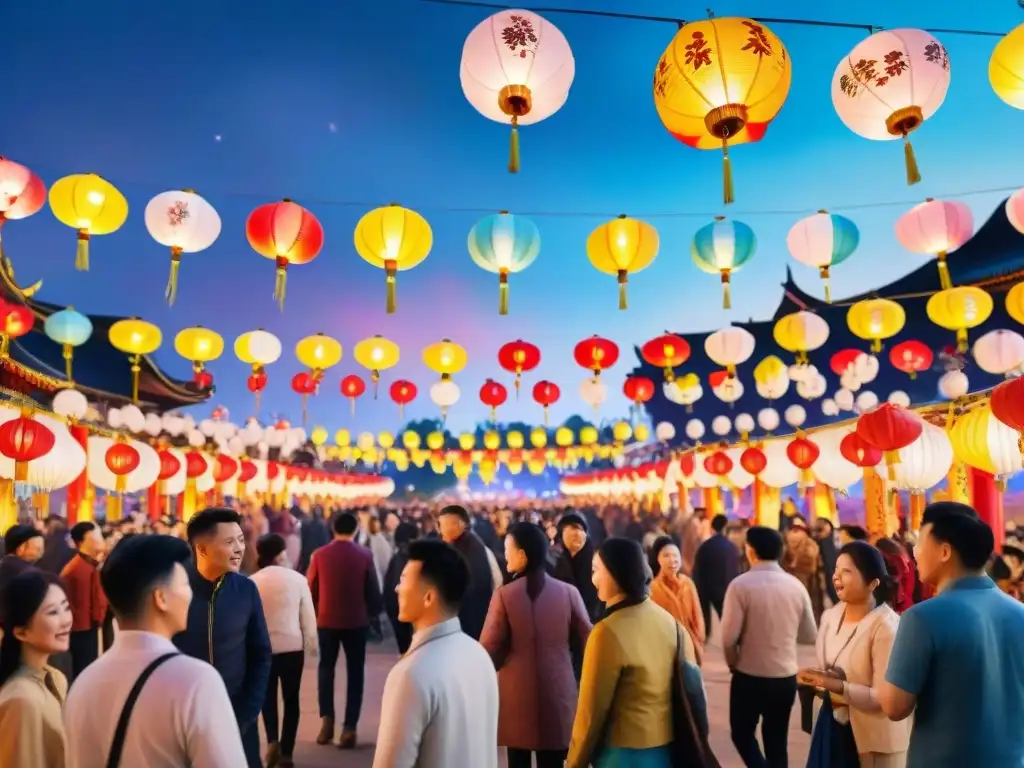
[
  {"x": 24, "y": 439},
  {"x": 353, "y": 386},
  {"x": 795, "y": 416},
  {"x": 394, "y": 239},
  {"x": 504, "y": 244},
  {"x": 753, "y": 460},
  {"x": 1007, "y": 404},
  {"x": 889, "y": 429},
  {"x": 981, "y": 440},
  {"x": 121, "y": 459},
  {"x": 445, "y": 358},
  {"x": 999, "y": 352},
  {"x": 720, "y": 83},
  {"x": 303, "y": 384},
  {"x": 823, "y": 241},
  {"x": 376, "y": 354},
  {"x": 596, "y": 354},
  {"x": 664, "y": 431},
  {"x": 911, "y": 357},
  {"x": 546, "y": 394},
  {"x": 843, "y": 360},
  {"x": 22, "y": 193},
  {"x": 621, "y": 246},
  {"x": 184, "y": 222},
  {"x": 875, "y": 320},
  {"x": 953, "y": 385},
  {"x": 70, "y": 329},
  {"x": 889, "y": 84},
  {"x": 71, "y": 404},
  {"x": 729, "y": 347},
  {"x": 318, "y": 353},
  {"x": 287, "y": 233},
  {"x": 899, "y": 398},
  {"x": 925, "y": 462},
  {"x": 1006, "y": 68},
  {"x": 769, "y": 369},
  {"x": 832, "y": 468},
  {"x": 779, "y": 471},
  {"x": 857, "y": 450},
  {"x": 803, "y": 453},
  {"x": 15, "y": 321},
  {"x": 1015, "y": 210},
  {"x": 199, "y": 346},
  {"x": 89, "y": 204},
  {"x": 667, "y": 351},
  {"x": 936, "y": 228},
  {"x": 959, "y": 309},
  {"x": 812, "y": 388},
  {"x": 768, "y": 419},
  {"x": 722, "y": 248},
  {"x": 258, "y": 348},
  {"x": 638, "y": 389},
  {"x": 801, "y": 332},
  {"x": 866, "y": 401},
  {"x": 721, "y": 425},
  {"x": 695, "y": 429},
  {"x": 517, "y": 68},
  {"x": 444, "y": 394},
  {"x": 728, "y": 390},
  {"x": 718, "y": 464},
  {"x": 493, "y": 394},
  {"x": 593, "y": 392},
  {"x": 135, "y": 338},
  {"x": 402, "y": 393}
]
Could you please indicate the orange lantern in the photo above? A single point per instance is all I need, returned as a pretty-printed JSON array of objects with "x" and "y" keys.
[
  {"x": 596, "y": 354},
  {"x": 121, "y": 459},
  {"x": 288, "y": 234},
  {"x": 667, "y": 351},
  {"x": 802, "y": 453}
]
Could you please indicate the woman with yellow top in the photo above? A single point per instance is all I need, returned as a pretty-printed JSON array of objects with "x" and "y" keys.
[
  {"x": 674, "y": 591},
  {"x": 625, "y": 716}
]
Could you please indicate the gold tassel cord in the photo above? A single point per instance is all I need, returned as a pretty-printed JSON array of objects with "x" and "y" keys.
[
  {"x": 391, "y": 283},
  {"x": 726, "y": 290},
  {"x": 136, "y": 369},
  {"x": 513, "y": 149},
  {"x": 69, "y": 353},
  {"x": 503, "y": 292},
  {"x": 280, "y": 286},
  {"x": 944, "y": 279},
  {"x": 961, "y": 340},
  {"x": 623, "y": 282},
  {"x": 82, "y": 254},
  {"x": 824, "y": 272},
  {"x": 172, "y": 282},
  {"x": 913, "y": 173},
  {"x": 727, "y": 191}
]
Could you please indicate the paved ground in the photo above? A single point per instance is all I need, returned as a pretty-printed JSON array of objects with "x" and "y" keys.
[{"x": 379, "y": 661}]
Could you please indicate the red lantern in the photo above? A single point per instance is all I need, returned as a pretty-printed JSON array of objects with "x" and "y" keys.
[
  {"x": 718, "y": 464},
  {"x": 273, "y": 470},
  {"x": 596, "y": 354},
  {"x": 843, "y": 360},
  {"x": 856, "y": 451},
  {"x": 889, "y": 428},
  {"x": 1007, "y": 402},
  {"x": 22, "y": 193},
  {"x": 546, "y": 393},
  {"x": 195, "y": 464},
  {"x": 753, "y": 461},
  {"x": 493, "y": 394},
  {"x": 257, "y": 382},
  {"x": 802, "y": 454},
  {"x": 911, "y": 357},
  {"x": 246, "y": 472},
  {"x": 717, "y": 378},
  {"x": 668, "y": 351},
  {"x": 202, "y": 380},
  {"x": 518, "y": 356},
  {"x": 639, "y": 389},
  {"x": 304, "y": 384},
  {"x": 687, "y": 463},
  {"x": 352, "y": 386},
  {"x": 15, "y": 321},
  {"x": 169, "y": 465},
  {"x": 287, "y": 233},
  {"x": 24, "y": 439},
  {"x": 122, "y": 459},
  {"x": 403, "y": 392},
  {"x": 224, "y": 468}
]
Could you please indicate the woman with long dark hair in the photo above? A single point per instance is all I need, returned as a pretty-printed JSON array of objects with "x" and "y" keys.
[
  {"x": 527, "y": 633},
  {"x": 37, "y": 624}
]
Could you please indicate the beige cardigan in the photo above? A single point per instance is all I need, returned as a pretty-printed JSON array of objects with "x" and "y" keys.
[
  {"x": 30, "y": 719},
  {"x": 865, "y": 660}
]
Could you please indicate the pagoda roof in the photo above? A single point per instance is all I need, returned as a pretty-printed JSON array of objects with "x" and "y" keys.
[{"x": 100, "y": 371}]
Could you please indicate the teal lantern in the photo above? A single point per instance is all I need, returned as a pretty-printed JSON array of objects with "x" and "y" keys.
[
  {"x": 70, "y": 329},
  {"x": 503, "y": 244},
  {"x": 722, "y": 248},
  {"x": 822, "y": 241}
]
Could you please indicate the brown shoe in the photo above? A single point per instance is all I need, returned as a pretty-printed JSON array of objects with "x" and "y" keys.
[
  {"x": 347, "y": 740},
  {"x": 326, "y": 735},
  {"x": 273, "y": 758}
]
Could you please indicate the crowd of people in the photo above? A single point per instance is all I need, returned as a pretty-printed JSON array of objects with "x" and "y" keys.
[{"x": 567, "y": 636}]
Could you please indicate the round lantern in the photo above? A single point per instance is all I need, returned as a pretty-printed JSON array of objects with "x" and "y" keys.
[
  {"x": 184, "y": 222},
  {"x": 768, "y": 419},
  {"x": 800, "y": 333},
  {"x": 621, "y": 246},
  {"x": 303, "y": 384},
  {"x": 135, "y": 338},
  {"x": 287, "y": 233},
  {"x": 353, "y": 386},
  {"x": 889, "y": 428},
  {"x": 667, "y": 351},
  {"x": 925, "y": 462},
  {"x": 199, "y": 346},
  {"x": 493, "y": 394},
  {"x": 822, "y": 241},
  {"x": 911, "y": 357},
  {"x": 960, "y": 309},
  {"x": 517, "y": 68},
  {"x": 721, "y": 426},
  {"x": 89, "y": 204},
  {"x": 258, "y": 348},
  {"x": 517, "y": 357},
  {"x": 24, "y": 439},
  {"x": 402, "y": 393},
  {"x": 889, "y": 84},
  {"x": 121, "y": 459},
  {"x": 664, "y": 431},
  {"x": 1006, "y": 68},
  {"x": 444, "y": 394},
  {"x": 318, "y": 353},
  {"x": 504, "y": 244},
  {"x": 15, "y": 321},
  {"x": 729, "y": 347},
  {"x": 638, "y": 389},
  {"x": 695, "y": 429},
  {"x": 936, "y": 228},
  {"x": 857, "y": 450},
  {"x": 1007, "y": 401},
  {"x": 71, "y": 404},
  {"x": 22, "y": 193},
  {"x": 753, "y": 460},
  {"x": 721, "y": 82},
  {"x": 596, "y": 354},
  {"x": 832, "y": 468},
  {"x": 953, "y": 385},
  {"x": 376, "y": 354},
  {"x": 70, "y": 329},
  {"x": 1015, "y": 210},
  {"x": 803, "y": 452},
  {"x": 546, "y": 394},
  {"x": 394, "y": 239},
  {"x": 722, "y": 248},
  {"x": 718, "y": 464},
  {"x": 983, "y": 441},
  {"x": 999, "y": 352},
  {"x": 445, "y": 358},
  {"x": 593, "y": 392},
  {"x": 875, "y": 320},
  {"x": 779, "y": 471}
]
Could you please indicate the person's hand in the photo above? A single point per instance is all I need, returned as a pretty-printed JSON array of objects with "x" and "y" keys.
[{"x": 810, "y": 677}]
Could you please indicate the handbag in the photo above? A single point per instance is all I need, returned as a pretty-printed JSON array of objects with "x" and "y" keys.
[
  {"x": 117, "y": 746},
  {"x": 690, "y": 746}
]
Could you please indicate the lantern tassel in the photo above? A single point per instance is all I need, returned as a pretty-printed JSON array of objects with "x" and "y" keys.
[
  {"x": 401, "y": 411},
  {"x": 280, "y": 284},
  {"x": 503, "y": 292},
  {"x": 944, "y": 280},
  {"x": 892, "y": 458},
  {"x": 726, "y": 290},
  {"x": 391, "y": 282},
  {"x": 20, "y": 471},
  {"x": 82, "y": 254},
  {"x": 69, "y": 352},
  {"x": 727, "y": 191},
  {"x": 623, "y": 283},
  {"x": 517, "y": 383},
  {"x": 258, "y": 398},
  {"x": 352, "y": 400},
  {"x": 824, "y": 272},
  {"x": 513, "y": 147},
  {"x": 114, "y": 506},
  {"x": 913, "y": 174},
  {"x": 546, "y": 416},
  {"x": 120, "y": 483},
  {"x": 305, "y": 411},
  {"x": 172, "y": 282},
  {"x": 961, "y": 340},
  {"x": 136, "y": 369}
]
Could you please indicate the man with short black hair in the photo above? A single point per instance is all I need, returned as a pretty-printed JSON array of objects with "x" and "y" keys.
[
  {"x": 715, "y": 564},
  {"x": 343, "y": 581},
  {"x": 440, "y": 703},
  {"x": 485, "y": 577},
  {"x": 767, "y": 613},
  {"x": 81, "y": 579},
  {"x": 955, "y": 663},
  {"x": 848, "y": 533},
  {"x": 181, "y": 714},
  {"x": 226, "y": 625},
  {"x": 23, "y": 546}
]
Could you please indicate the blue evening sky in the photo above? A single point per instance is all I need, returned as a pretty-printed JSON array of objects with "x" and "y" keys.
[{"x": 343, "y": 106}]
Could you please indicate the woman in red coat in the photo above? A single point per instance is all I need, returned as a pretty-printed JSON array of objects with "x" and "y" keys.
[{"x": 527, "y": 634}]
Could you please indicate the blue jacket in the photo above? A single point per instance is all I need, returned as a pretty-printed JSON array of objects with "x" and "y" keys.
[{"x": 238, "y": 646}]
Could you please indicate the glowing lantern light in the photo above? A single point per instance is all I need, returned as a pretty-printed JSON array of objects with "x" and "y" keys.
[
  {"x": 89, "y": 204},
  {"x": 287, "y": 233},
  {"x": 1006, "y": 68},
  {"x": 517, "y": 68},
  {"x": 843, "y": 361},
  {"x": 889, "y": 428},
  {"x": 15, "y": 321},
  {"x": 135, "y": 338},
  {"x": 25, "y": 439},
  {"x": 889, "y": 84},
  {"x": 518, "y": 357},
  {"x": 70, "y": 329},
  {"x": 1007, "y": 402},
  {"x": 638, "y": 389},
  {"x": 875, "y": 320},
  {"x": 753, "y": 461},
  {"x": 444, "y": 394},
  {"x": 259, "y": 349},
  {"x": 504, "y": 244},
  {"x": 493, "y": 394},
  {"x": 402, "y": 393},
  {"x": 445, "y": 358},
  {"x": 925, "y": 462},
  {"x": 199, "y": 346},
  {"x": 911, "y": 357},
  {"x": 546, "y": 394},
  {"x": 729, "y": 347},
  {"x": 122, "y": 459},
  {"x": 999, "y": 352},
  {"x": 857, "y": 450},
  {"x": 936, "y": 228},
  {"x": 596, "y": 354},
  {"x": 823, "y": 241},
  {"x": 803, "y": 452},
  {"x": 953, "y": 385},
  {"x": 1015, "y": 302},
  {"x": 981, "y": 440},
  {"x": 722, "y": 248},
  {"x": 1015, "y": 210},
  {"x": 184, "y": 222},
  {"x": 800, "y": 333},
  {"x": 959, "y": 309},
  {"x": 667, "y": 351},
  {"x": 621, "y": 246},
  {"x": 22, "y": 193},
  {"x": 376, "y": 354},
  {"x": 721, "y": 82},
  {"x": 352, "y": 387},
  {"x": 318, "y": 353},
  {"x": 394, "y": 239}
]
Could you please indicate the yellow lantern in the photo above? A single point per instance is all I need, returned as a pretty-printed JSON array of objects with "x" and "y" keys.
[
  {"x": 514, "y": 466},
  {"x": 411, "y": 440},
  {"x": 394, "y": 239},
  {"x": 536, "y": 466},
  {"x": 563, "y": 437},
  {"x": 875, "y": 320},
  {"x": 467, "y": 440},
  {"x": 135, "y": 338},
  {"x": 960, "y": 309},
  {"x": 318, "y": 353},
  {"x": 435, "y": 441},
  {"x": 318, "y": 436},
  {"x": 1006, "y": 68},
  {"x": 539, "y": 437},
  {"x": 492, "y": 441},
  {"x": 515, "y": 440},
  {"x": 439, "y": 466},
  {"x": 622, "y": 431},
  {"x": 588, "y": 436},
  {"x": 90, "y": 204},
  {"x": 343, "y": 438},
  {"x": 445, "y": 358},
  {"x": 641, "y": 432},
  {"x": 199, "y": 346},
  {"x": 801, "y": 332},
  {"x": 376, "y": 354},
  {"x": 721, "y": 82},
  {"x": 1015, "y": 303},
  {"x": 769, "y": 369},
  {"x": 621, "y": 246},
  {"x": 386, "y": 440},
  {"x": 487, "y": 470},
  {"x": 462, "y": 469},
  {"x": 980, "y": 440}
]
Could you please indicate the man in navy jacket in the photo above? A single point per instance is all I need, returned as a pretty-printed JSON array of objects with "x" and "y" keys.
[
  {"x": 716, "y": 563},
  {"x": 226, "y": 626}
]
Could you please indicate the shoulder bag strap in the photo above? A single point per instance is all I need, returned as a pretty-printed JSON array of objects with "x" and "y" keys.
[{"x": 114, "y": 760}]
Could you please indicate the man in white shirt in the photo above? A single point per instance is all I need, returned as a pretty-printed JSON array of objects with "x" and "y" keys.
[
  {"x": 440, "y": 704},
  {"x": 170, "y": 710}
]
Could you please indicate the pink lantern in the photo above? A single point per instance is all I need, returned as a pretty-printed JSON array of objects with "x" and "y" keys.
[
  {"x": 936, "y": 227},
  {"x": 1015, "y": 210},
  {"x": 889, "y": 84},
  {"x": 22, "y": 193}
]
